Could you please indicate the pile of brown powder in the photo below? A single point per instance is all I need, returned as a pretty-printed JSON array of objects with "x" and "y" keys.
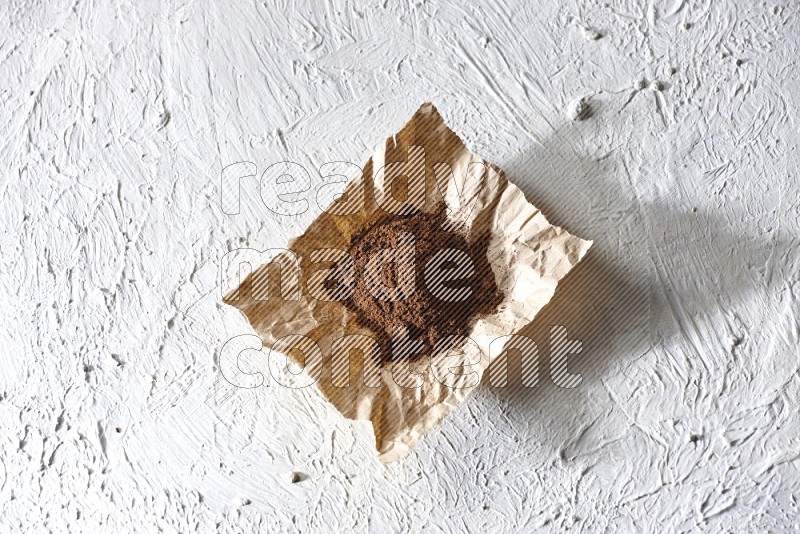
[{"x": 425, "y": 317}]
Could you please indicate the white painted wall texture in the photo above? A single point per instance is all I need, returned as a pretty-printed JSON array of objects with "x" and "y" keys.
[{"x": 117, "y": 119}]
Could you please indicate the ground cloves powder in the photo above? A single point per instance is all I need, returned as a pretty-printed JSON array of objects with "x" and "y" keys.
[{"x": 399, "y": 287}]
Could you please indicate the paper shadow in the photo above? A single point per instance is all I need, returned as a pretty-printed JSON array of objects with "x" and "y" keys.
[{"x": 628, "y": 294}]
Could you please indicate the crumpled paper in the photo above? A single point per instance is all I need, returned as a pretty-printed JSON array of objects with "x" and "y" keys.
[{"x": 403, "y": 400}]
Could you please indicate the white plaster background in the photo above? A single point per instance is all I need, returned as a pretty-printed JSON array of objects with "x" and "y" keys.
[{"x": 117, "y": 118}]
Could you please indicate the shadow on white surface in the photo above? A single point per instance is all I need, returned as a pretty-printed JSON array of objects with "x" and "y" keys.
[{"x": 638, "y": 287}]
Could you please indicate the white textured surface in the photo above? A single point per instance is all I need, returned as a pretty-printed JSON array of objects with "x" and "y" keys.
[{"x": 117, "y": 120}]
